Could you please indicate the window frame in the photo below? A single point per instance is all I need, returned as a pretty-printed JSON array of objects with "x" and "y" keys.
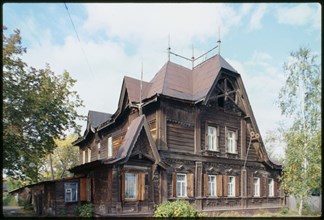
[
  {"x": 99, "y": 149},
  {"x": 89, "y": 155},
  {"x": 271, "y": 187},
  {"x": 183, "y": 184},
  {"x": 74, "y": 190},
  {"x": 210, "y": 184},
  {"x": 109, "y": 147},
  {"x": 233, "y": 139},
  {"x": 231, "y": 190},
  {"x": 215, "y": 136},
  {"x": 135, "y": 186},
  {"x": 83, "y": 156},
  {"x": 256, "y": 187}
]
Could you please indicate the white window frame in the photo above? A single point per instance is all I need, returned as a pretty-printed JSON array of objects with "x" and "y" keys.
[
  {"x": 89, "y": 155},
  {"x": 212, "y": 138},
  {"x": 271, "y": 187},
  {"x": 256, "y": 186},
  {"x": 99, "y": 150},
  {"x": 212, "y": 185},
  {"x": 69, "y": 191},
  {"x": 181, "y": 185},
  {"x": 110, "y": 146},
  {"x": 231, "y": 186},
  {"x": 231, "y": 142},
  {"x": 131, "y": 186}
]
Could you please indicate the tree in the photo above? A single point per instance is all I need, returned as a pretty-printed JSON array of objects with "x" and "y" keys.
[
  {"x": 38, "y": 106},
  {"x": 64, "y": 157},
  {"x": 299, "y": 99}
]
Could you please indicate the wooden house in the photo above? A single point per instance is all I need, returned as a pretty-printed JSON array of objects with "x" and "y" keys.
[{"x": 187, "y": 134}]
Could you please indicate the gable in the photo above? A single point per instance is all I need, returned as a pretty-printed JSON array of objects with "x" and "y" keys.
[
  {"x": 142, "y": 148},
  {"x": 225, "y": 93}
]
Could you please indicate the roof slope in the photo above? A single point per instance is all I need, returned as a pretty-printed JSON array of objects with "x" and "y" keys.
[
  {"x": 178, "y": 81},
  {"x": 97, "y": 118}
]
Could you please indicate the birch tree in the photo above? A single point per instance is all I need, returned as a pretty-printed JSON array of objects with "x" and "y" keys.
[{"x": 299, "y": 99}]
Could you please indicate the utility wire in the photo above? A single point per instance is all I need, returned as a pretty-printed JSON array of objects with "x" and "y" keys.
[{"x": 83, "y": 51}]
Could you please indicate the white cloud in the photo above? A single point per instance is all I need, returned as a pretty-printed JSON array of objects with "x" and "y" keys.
[
  {"x": 301, "y": 14},
  {"x": 256, "y": 17}
]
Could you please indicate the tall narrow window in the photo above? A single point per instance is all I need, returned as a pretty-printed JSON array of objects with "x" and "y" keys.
[
  {"x": 231, "y": 186},
  {"x": 89, "y": 154},
  {"x": 212, "y": 138},
  {"x": 83, "y": 156},
  {"x": 181, "y": 185},
  {"x": 231, "y": 142},
  {"x": 110, "y": 147},
  {"x": 130, "y": 186},
  {"x": 256, "y": 183},
  {"x": 211, "y": 185},
  {"x": 271, "y": 187},
  {"x": 99, "y": 150}
]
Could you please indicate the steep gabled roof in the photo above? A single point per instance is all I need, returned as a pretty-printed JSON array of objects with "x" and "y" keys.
[
  {"x": 97, "y": 118},
  {"x": 130, "y": 139}
]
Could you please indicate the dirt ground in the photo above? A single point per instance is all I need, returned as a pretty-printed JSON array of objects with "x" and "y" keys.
[{"x": 16, "y": 211}]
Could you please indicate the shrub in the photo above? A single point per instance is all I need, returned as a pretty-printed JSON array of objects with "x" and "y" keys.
[
  {"x": 85, "y": 210},
  {"x": 178, "y": 208},
  {"x": 284, "y": 211}
]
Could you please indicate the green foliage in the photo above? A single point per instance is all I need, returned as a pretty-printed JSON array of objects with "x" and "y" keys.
[
  {"x": 38, "y": 106},
  {"x": 178, "y": 208},
  {"x": 300, "y": 99},
  {"x": 64, "y": 156},
  {"x": 85, "y": 210},
  {"x": 284, "y": 211}
]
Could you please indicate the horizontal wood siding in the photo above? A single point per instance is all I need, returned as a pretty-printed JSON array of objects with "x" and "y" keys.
[{"x": 180, "y": 138}]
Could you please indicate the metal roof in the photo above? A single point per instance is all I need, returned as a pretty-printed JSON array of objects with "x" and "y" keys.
[{"x": 178, "y": 81}]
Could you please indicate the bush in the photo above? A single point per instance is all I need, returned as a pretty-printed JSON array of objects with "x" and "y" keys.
[
  {"x": 284, "y": 211},
  {"x": 178, "y": 208},
  {"x": 85, "y": 210}
]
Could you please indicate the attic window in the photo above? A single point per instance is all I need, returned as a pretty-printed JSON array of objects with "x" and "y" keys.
[{"x": 226, "y": 91}]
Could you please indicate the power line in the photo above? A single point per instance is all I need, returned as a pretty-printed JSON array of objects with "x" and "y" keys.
[{"x": 83, "y": 51}]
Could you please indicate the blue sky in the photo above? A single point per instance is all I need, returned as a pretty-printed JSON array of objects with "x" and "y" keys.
[{"x": 117, "y": 38}]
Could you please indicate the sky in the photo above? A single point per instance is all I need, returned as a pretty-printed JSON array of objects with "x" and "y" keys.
[{"x": 107, "y": 41}]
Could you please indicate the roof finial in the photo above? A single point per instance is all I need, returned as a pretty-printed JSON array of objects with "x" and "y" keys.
[
  {"x": 169, "y": 48},
  {"x": 140, "y": 103},
  {"x": 219, "y": 41}
]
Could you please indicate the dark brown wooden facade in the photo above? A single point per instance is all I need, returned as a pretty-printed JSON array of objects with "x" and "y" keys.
[{"x": 193, "y": 137}]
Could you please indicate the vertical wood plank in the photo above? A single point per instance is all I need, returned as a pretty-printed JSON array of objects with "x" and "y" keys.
[
  {"x": 123, "y": 186},
  {"x": 205, "y": 184},
  {"x": 83, "y": 189},
  {"x": 237, "y": 186},
  {"x": 190, "y": 184},
  {"x": 225, "y": 186},
  {"x": 219, "y": 185},
  {"x": 174, "y": 184}
]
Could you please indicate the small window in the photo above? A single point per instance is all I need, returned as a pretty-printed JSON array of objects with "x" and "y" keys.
[
  {"x": 211, "y": 185},
  {"x": 271, "y": 187},
  {"x": 256, "y": 183},
  {"x": 110, "y": 147},
  {"x": 99, "y": 150},
  {"x": 212, "y": 138},
  {"x": 130, "y": 186},
  {"x": 231, "y": 186},
  {"x": 231, "y": 142},
  {"x": 71, "y": 192},
  {"x": 89, "y": 155},
  {"x": 181, "y": 185}
]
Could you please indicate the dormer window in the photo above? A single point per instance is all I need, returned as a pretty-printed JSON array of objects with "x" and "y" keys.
[
  {"x": 110, "y": 146},
  {"x": 99, "y": 150}
]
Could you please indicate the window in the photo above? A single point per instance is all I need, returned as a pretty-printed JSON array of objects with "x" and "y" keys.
[
  {"x": 211, "y": 185},
  {"x": 212, "y": 138},
  {"x": 109, "y": 147},
  {"x": 231, "y": 142},
  {"x": 130, "y": 186},
  {"x": 271, "y": 187},
  {"x": 83, "y": 156},
  {"x": 256, "y": 183},
  {"x": 99, "y": 149},
  {"x": 89, "y": 155},
  {"x": 71, "y": 192},
  {"x": 231, "y": 186},
  {"x": 181, "y": 185}
]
